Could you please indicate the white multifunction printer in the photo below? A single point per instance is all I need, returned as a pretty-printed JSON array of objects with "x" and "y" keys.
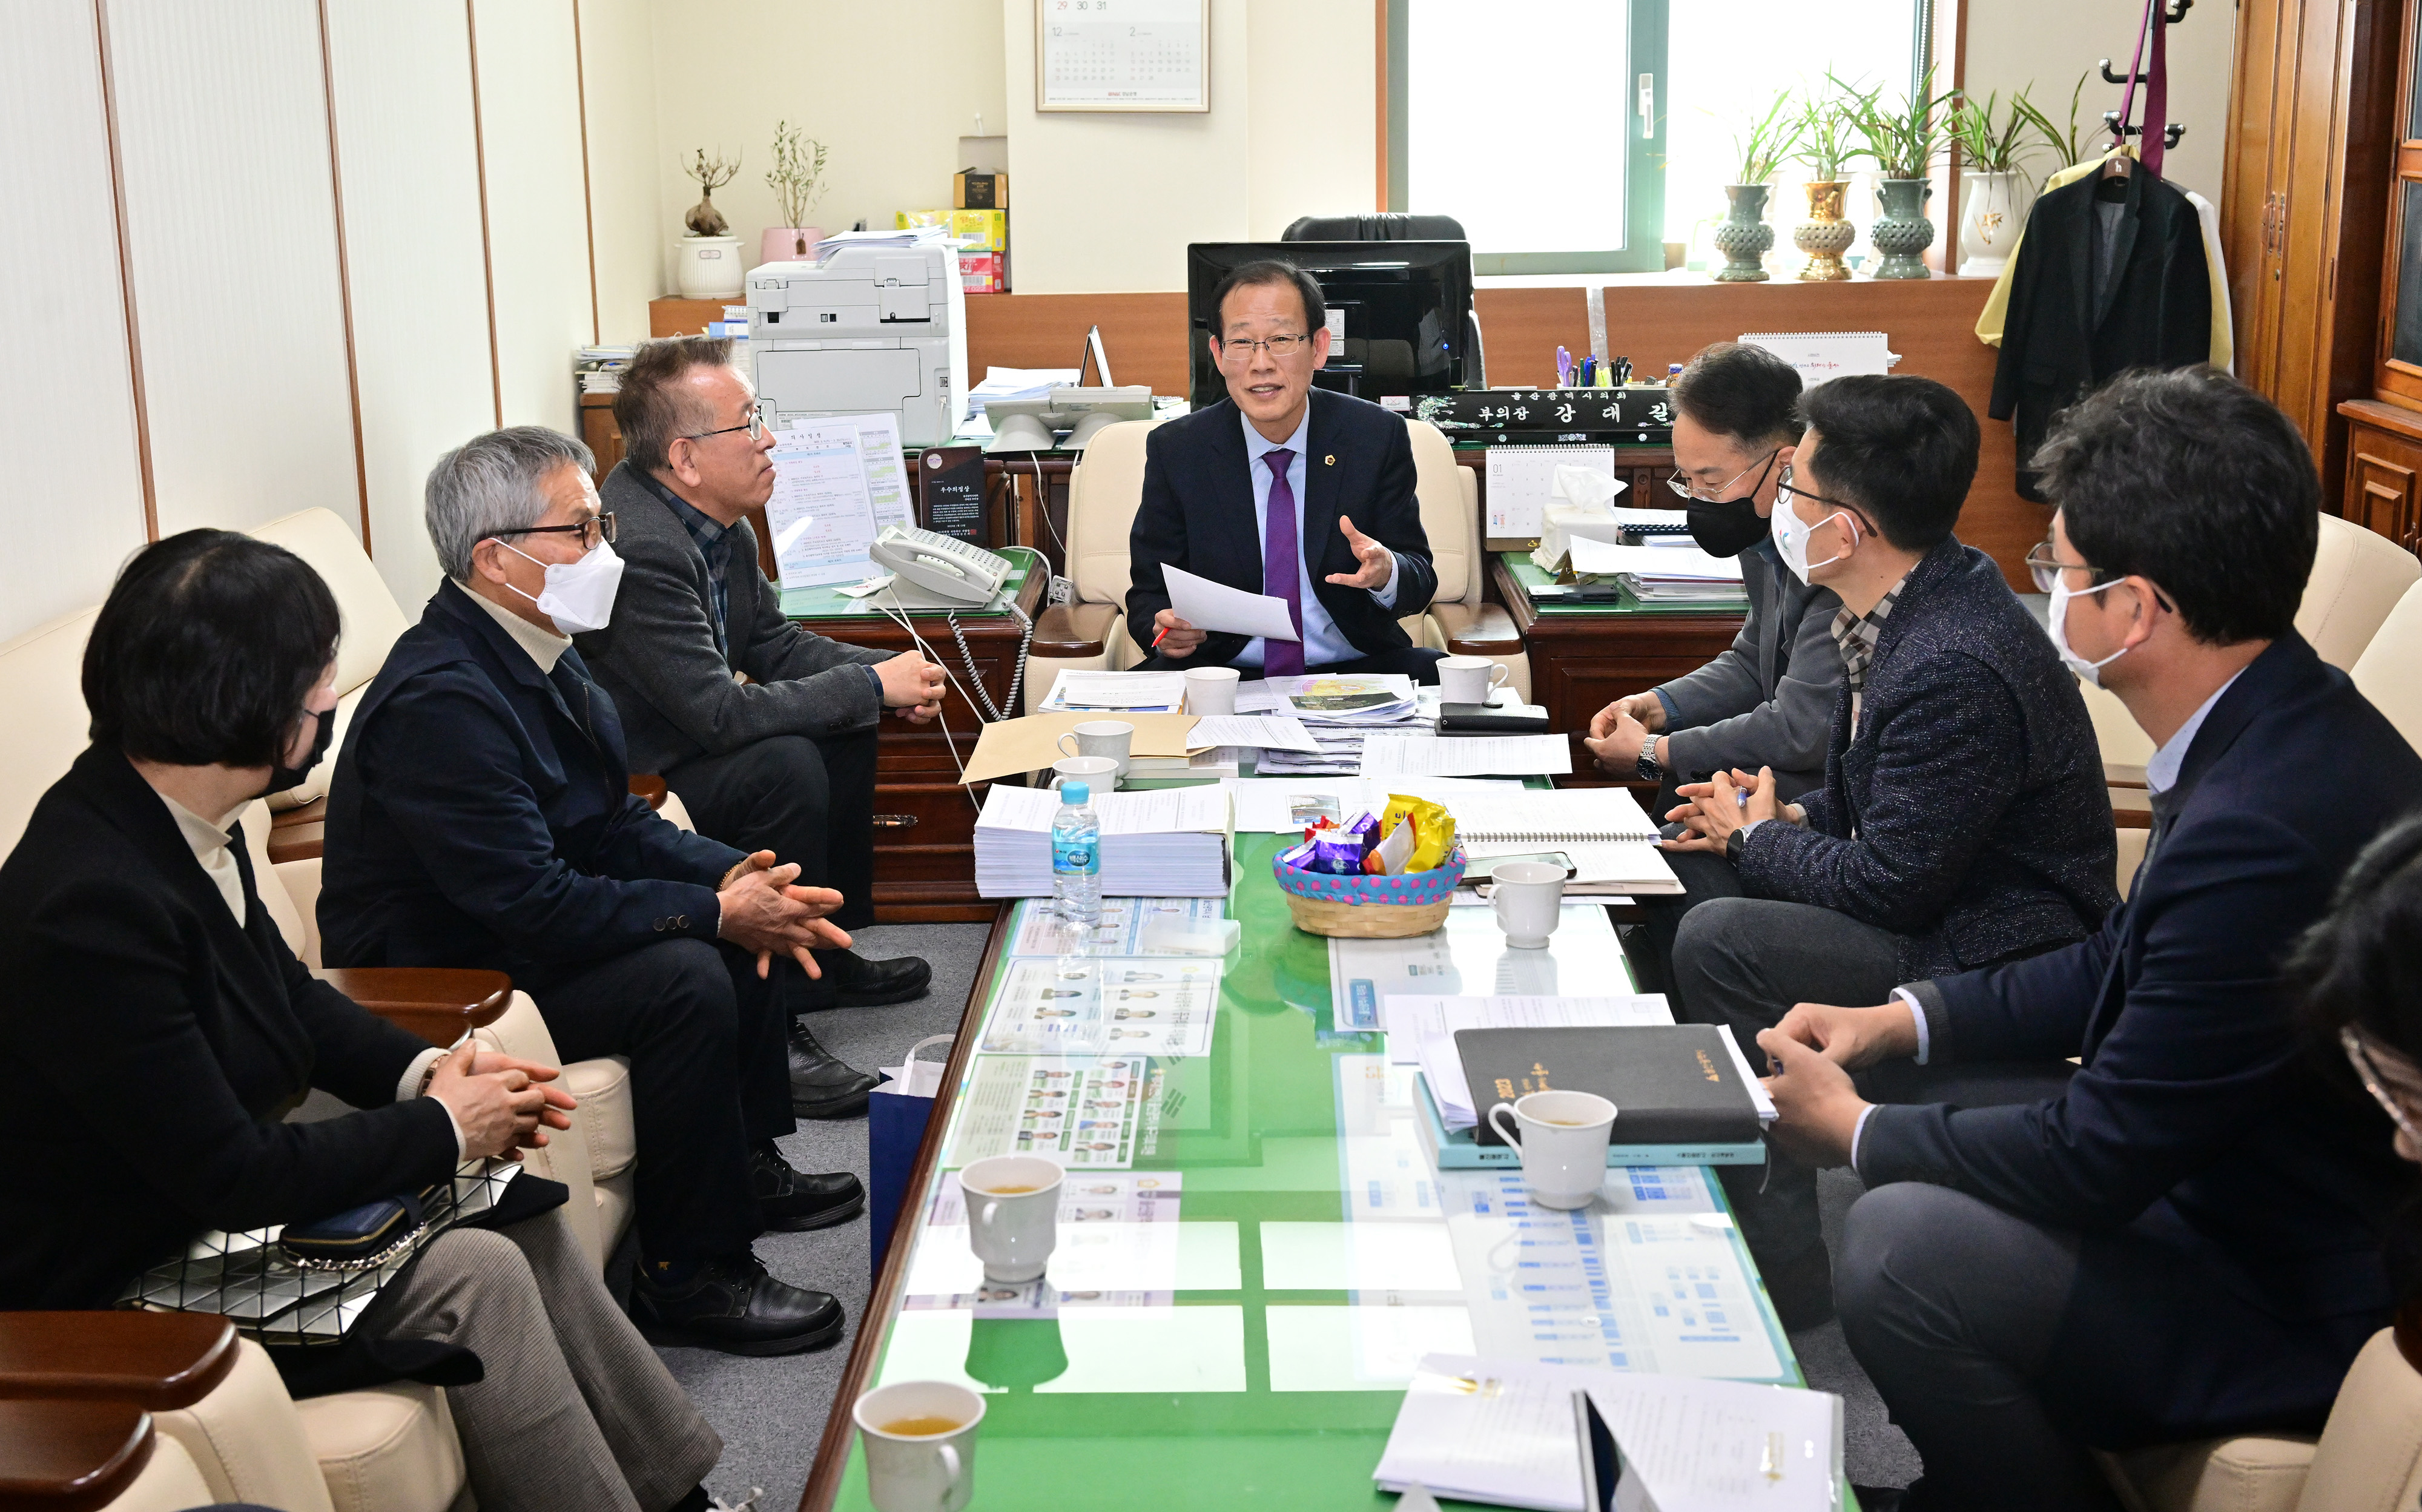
[{"x": 861, "y": 328}]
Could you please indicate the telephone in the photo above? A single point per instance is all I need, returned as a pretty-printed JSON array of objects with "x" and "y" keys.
[{"x": 951, "y": 573}]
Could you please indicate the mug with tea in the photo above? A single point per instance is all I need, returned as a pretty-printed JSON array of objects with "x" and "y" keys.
[
  {"x": 1100, "y": 772},
  {"x": 1564, "y": 1138},
  {"x": 921, "y": 1446},
  {"x": 1100, "y": 737},
  {"x": 1012, "y": 1214}
]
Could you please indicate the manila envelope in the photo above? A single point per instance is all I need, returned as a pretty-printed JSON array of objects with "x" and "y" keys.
[{"x": 1033, "y": 744}]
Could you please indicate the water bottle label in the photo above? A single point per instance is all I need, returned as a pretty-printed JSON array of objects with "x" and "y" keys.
[{"x": 1082, "y": 858}]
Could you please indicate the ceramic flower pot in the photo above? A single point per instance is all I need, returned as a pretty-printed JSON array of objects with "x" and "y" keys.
[
  {"x": 709, "y": 267},
  {"x": 1902, "y": 231},
  {"x": 1824, "y": 236},
  {"x": 788, "y": 244},
  {"x": 1743, "y": 236},
  {"x": 1990, "y": 219}
]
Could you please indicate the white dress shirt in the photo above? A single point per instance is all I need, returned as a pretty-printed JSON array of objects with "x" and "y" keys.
[{"x": 1322, "y": 643}]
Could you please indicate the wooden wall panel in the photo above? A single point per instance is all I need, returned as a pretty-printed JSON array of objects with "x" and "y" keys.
[
  {"x": 1144, "y": 334},
  {"x": 223, "y": 133},
  {"x": 68, "y": 396}
]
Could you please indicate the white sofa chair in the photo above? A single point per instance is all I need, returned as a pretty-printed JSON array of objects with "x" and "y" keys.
[
  {"x": 1106, "y": 489},
  {"x": 2389, "y": 672}
]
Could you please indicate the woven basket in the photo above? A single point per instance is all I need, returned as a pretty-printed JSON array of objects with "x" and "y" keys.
[{"x": 1370, "y": 907}]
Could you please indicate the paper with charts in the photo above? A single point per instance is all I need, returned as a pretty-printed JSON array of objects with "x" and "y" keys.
[
  {"x": 1119, "y": 931},
  {"x": 1161, "y": 1005},
  {"x": 1087, "y": 1112}
]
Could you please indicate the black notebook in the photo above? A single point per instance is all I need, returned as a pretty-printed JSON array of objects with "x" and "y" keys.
[{"x": 1670, "y": 1083}]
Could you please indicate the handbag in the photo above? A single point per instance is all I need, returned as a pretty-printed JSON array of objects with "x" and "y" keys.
[
  {"x": 357, "y": 1235},
  {"x": 896, "y": 1116}
]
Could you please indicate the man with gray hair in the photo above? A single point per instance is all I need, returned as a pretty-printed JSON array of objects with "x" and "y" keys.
[{"x": 482, "y": 816}]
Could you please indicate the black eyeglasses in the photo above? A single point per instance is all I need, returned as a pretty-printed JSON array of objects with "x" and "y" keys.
[
  {"x": 591, "y": 530},
  {"x": 756, "y": 429},
  {"x": 1783, "y": 490},
  {"x": 2367, "y": 1067},
  {"x": 2047, "y": 568}
]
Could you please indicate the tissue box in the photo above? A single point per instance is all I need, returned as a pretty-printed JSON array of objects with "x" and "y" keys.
[
  {"x": 979, "y": 191},
  {"x": 1560, "y": 523},
  {"x": 983, "y": 230}
]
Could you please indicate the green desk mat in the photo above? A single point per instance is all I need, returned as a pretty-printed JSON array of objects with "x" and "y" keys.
[
  {"x": 1259, "y": 1144},
  {"x": 830, "y": 604},
  {"x": 1530, "y": 575}
]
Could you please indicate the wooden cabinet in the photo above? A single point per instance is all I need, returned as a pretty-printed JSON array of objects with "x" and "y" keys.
[
  {"x": 2384, "y": 469},
  {"x": 597, "y": 429},
  {"x": 2311, "y": 138},
  {"x": 2397, "y": 355}
]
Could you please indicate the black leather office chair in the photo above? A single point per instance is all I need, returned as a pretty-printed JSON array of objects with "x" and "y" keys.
[{"x": 1394, "y": 225}]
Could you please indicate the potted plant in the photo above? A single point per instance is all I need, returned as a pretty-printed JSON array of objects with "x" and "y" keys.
[
  {"x": 1825, "y": 146},
  {"x": 1903, "y": 141},
  {"x": 1993, "y": 145},
  {"x": 2071, "y": 146},
  {"x": 797, "y": 184},
  {"x": 1744, "y": 236},
  {"x": 709, "y": 260}
]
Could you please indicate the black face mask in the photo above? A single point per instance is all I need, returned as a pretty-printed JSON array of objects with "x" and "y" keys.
[
  {"x": 1725, "y": 527},
  {"x": 283, "y": 777}
]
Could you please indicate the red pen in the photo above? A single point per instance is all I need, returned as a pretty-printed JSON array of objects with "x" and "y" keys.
[{"x": 1158, "y": 635}]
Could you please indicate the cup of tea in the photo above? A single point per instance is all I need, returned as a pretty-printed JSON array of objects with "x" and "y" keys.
[
  {"x": 1563, "y": 1136},
  {"x": 1529, "y": 897},
  {"x": 1100, "y": 737},
  {"x": 1012, "y": 1214},
  {"x": 1211, "y": 690},
  {"x": 1470, "y": 679},
  {"x": 921, "y": 1446},
  {"x": 1100, "y": 772}
]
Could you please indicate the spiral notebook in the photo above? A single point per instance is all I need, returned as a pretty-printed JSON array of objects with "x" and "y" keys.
[{"x": 1610, "y": 839}]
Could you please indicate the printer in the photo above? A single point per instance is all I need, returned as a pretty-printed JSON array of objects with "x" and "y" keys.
[{"x": 864, "y": 326}]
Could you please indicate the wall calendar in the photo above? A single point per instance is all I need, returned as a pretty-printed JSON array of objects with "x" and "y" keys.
[{"x": 1123, "y": 55}]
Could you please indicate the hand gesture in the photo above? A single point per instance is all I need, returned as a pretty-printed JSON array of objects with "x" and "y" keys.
[
  {"x": 1715, "y": 809},
  {"x": 499, "y": 1102},
  {"x": 912, "y": 687},
  {"x": 763, "y": 913},
  {"x": 1374, "y": 563},
  {"x": 1852, "y": 1038},
  {"x": 1647, "y": 708},
  {"x": 1176, "y": 638},
  {"x": 1816, "y": 1108},
  {"x": 1616, "y": 737}
]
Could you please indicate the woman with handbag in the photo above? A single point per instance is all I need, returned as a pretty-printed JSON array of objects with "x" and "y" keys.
[{"x": 155, "y": 1031}]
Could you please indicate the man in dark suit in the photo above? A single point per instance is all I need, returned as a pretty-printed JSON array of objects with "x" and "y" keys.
[
  {"x": 1264, "y": 491},
  {"x": 2181, "y": 1239},
  {"x": 1963, "y": 820},
  {"x": 482, "y": 816},
  {"x": 783, "y": 761}
]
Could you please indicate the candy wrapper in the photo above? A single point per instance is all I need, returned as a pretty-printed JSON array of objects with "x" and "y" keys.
[{"x": 1433, "y": 830}]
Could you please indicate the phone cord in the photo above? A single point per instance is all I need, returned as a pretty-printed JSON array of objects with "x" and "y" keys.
[{"x": 1017, "y": 676}]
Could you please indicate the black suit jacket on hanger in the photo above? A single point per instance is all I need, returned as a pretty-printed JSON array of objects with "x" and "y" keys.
[{"x": 2060, "y": 340}]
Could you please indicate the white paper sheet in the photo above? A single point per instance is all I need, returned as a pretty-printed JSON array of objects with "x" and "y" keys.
[
  {"x": 1117, "y": 691},
  {"x": 887, "y": 470},
  {"x": 1412, "y": 1019},
  {"x": 1164, "y": 1006},
  {"x": 821, "y": 514},
  {"x": 1264, "y": 733},
  {"x": 1387, "y": 755},
  {"x": 1603, "y": 556},
  {"x": 1209, "y": 606}
]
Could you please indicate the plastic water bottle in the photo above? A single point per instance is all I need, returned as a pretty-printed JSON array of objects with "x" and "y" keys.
[{"x": 1077, "y": 861}]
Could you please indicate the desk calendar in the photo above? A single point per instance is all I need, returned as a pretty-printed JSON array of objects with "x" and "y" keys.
[{"x": 1123, "y": 55}]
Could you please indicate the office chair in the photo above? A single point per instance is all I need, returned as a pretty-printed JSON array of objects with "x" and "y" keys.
[{"x": 1393, "y": 226}]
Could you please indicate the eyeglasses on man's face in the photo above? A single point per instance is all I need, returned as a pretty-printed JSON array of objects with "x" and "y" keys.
[
  {"x": 1237, "y": 353},
  {"x": 591, "y": 530},
  {"x": 1785, "y": 490},
  {"x": 2368, "y": 1066},
  {"x": 2047, "y": 568},
  {"x": 1680, "y": 482},
  {"x": 755, "y": 427}
]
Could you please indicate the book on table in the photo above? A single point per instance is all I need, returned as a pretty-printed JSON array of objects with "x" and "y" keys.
[
  {"x": 1608, "y": 838},
  {"x": 1670, "y": 1083},
  {"x": 1167, "y": 844}
]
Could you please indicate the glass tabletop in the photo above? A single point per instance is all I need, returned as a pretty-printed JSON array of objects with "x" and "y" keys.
[{"x": 1254, "y": 1248}]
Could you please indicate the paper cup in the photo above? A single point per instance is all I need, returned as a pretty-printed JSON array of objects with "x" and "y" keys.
[{"x": 1211, "y": 690}]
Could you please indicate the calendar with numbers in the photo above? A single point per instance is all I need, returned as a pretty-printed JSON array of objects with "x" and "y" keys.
[{"x": 1123, "y": 55}]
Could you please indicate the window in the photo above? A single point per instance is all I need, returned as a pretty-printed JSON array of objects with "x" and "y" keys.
[{"x": 1524, "y": 120}]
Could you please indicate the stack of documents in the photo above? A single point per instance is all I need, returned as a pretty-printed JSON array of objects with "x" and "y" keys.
[
  {"x": 1422, "y": 753},
  {"x": 1170, "y": 844},
  {"x": 1030, "y": 384},
  {"x": 1117, "y": 692},
  {"x": 1338, "y": 713},
  {"x": 1664, "y": 574},
  {"x": 1608, "y": 837}
]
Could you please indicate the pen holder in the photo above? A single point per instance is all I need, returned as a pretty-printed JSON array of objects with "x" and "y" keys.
[{"x": 1370, "y": 907}]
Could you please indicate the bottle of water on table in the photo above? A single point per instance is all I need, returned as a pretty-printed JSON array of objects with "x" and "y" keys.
[{"x": 1076, "y": 863}]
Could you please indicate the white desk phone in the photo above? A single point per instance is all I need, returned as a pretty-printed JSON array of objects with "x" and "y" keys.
[{"x": 936, "y": 570}]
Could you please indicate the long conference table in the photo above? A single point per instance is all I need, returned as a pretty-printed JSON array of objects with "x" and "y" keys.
[{"x": 1256, "y": 1248}]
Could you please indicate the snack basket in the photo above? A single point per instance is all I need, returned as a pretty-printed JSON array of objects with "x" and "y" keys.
[{"x": 1370, "y": 907}]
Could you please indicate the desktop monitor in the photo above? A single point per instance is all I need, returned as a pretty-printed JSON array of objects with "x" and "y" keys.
[{"x": 1409, "y": 327}]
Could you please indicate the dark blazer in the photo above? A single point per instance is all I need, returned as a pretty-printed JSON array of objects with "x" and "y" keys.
[
  {"x": 1970, "y": 816},
  {"x": 1198, "y": 514},
  {"x": 474, "y": 822},
  {"x": 673, "y": 687},
  {"x": 2059, "y": 341},
  {"x": 153, "y": 1048},
  {"x": 2194, "y": 1115},
  {"x": 1767, "y": 700}
]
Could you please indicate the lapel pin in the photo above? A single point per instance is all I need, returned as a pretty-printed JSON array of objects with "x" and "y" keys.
[{"x": 1330, "y": 461}]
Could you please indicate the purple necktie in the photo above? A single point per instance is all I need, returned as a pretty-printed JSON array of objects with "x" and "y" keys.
[{"x": 1281, "y": 576}]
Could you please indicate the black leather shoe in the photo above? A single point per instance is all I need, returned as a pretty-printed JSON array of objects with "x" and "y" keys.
[
  {"x": 852, "y": 981},
  {"x": 731, "y": 1304},
  {"x": 821, "y": 1086},
  {"x": 1880, "y": 1498},
  {"x": 793, "y": 1201}
]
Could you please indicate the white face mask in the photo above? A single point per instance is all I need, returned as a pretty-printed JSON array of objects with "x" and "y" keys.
[
  {"x": 578, "y": 596},
  {"x": 1791, "y": 536},
  {"x": 2058, "y": 622}
]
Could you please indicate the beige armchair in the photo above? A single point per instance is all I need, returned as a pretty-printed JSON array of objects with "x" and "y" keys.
[
  {"x": 1458, "y": 621},
  {"x": 2389, "y": 672}
]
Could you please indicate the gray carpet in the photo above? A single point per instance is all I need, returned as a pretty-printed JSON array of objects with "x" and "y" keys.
[{"x": 771, "y": 1412}]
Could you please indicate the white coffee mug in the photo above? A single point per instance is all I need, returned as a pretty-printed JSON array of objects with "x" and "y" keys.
[
  {"x": 1100, "y": 771},
  {"x": 921, "y": 1446},
  {"x": 1211, "y": 690},
  {"x": 1529, "y": 897},
  {"x": 1012, "y": 1214},
  {"x": 1470, "y": 679},
  {"x": 1564, "y": 1138},
  {"x": 1100, "y": 737}
]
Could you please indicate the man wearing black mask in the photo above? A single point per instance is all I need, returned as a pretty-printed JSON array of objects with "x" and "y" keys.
[{"x": 1768, "y": 700}]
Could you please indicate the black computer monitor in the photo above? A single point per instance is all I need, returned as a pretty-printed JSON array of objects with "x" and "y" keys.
[{"x": 1409, "y": 329}]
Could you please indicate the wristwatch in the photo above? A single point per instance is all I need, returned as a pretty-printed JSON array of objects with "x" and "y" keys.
[{"x": 1650, "y": 769}]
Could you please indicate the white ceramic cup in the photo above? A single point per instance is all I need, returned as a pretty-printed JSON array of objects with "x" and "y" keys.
[
  {"x": 1564, "y": 1138},
  {"x": 1100, "y": 771},
  {"x": 919, "y": 1471},
  {"x": 1529, "y": 897},
  {"x": 1012, "y": 1214},
  {"x": 1101, "y": 737},
  {"x": 1470, "y": 679},
  {"x": 1211, "y": 690}
]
